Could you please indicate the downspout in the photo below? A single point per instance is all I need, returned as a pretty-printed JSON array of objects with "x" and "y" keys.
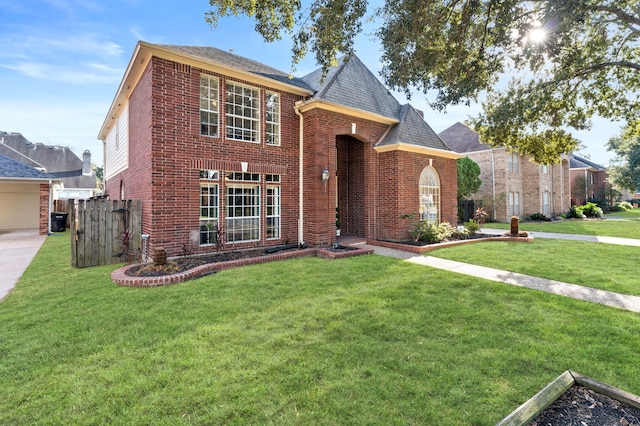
[
  {"x": 301, "y": 176},
  {"x": 50, "y": 207},
  {"x": 586, "y": 185},
  {"x": 493, "y": 183}
]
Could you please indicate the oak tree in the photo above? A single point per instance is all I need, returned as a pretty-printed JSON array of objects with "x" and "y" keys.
[{"x": 571, "y": 59}]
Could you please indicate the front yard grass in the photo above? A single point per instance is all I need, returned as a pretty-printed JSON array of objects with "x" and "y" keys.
[
  {"x": 604, "y": 266},
  {"x": 620, "y": 224},
  {"x": 367, "y": 340}
]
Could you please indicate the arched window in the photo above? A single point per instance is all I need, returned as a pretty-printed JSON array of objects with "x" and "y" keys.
[{"x": 429, "y": 191}]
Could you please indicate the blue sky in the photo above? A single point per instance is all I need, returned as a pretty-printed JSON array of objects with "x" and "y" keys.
[{"x": 61, "y": 62}]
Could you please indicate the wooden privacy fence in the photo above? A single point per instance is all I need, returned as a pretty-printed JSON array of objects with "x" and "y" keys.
[{"x": 104, "y": 232}]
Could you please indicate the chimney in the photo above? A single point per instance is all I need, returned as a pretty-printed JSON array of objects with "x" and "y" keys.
[{"x": 86, "y": 163}]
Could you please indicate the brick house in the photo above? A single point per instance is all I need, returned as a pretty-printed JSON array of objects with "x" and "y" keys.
[
  {"x": 588, "y": 180},
  {"x": 512, "y": 185},
  {"x": 221, "y": 148}
]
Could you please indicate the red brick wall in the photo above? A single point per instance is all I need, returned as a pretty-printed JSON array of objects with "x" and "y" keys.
[
  {"x": 403, "y": 199},
  {"x": 167, "y": 152}
]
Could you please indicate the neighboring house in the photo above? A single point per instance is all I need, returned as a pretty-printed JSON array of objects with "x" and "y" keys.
[
  {"x": 223, "y": 149},
  {"x": 76, "y": 179},
  {"x": 25, "y": 196},
  {"x": 588, "y": 180},
  {"x": 512, "y": 185}
]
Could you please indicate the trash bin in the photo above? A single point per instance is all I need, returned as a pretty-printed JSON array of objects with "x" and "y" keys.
[{"x": 58, "y": 221}]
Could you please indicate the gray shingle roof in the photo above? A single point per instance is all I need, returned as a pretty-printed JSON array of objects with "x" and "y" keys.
[
  {"x": 352, "y": 84},
  {"x": 577, "y": 162},
  {"x": 413, "y": 130},
  {"x": 221, "y": 57},
  {"x": 13, "y": 169},
  {"x": 461, "y": 139},
  {"x": 59, "y": 162}
]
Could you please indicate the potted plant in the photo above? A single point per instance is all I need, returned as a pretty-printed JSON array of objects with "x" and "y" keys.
[{"x": 337, "y": 222}]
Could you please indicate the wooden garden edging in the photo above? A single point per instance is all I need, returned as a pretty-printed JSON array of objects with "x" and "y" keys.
[{"x": 539, "y": 402}]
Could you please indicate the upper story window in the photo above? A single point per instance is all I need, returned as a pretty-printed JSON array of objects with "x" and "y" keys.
[
  {"x": 272, "y": 109},
  {"x": 512, "y": 162},
  {"x": 242, "y": 112},
  {"x": 545, "y": 169},
  {"x": 209, "y": 106}
]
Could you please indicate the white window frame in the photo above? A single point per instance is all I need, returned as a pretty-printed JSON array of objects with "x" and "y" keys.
[
  {"x": 273, "y": 201},
  {"x": 429, "y": 193},
  {"x": 546, "y": 205},
  {"x": 272, "y": 118},
  {"x": 242, "y": 111},
  {"x": 209, "y": 106},
  {"x": 209, "y": 206},
  {"x": 512, "y": 162},
  {"x": 242, "y": 207}
]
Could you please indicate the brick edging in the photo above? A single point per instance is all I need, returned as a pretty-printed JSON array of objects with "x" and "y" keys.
[
  {"x": 120, "y": 277},
  {"x": 431, "y": 247}
]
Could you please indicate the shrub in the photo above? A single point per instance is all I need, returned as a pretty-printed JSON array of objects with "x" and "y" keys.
[
  {"x": 480, "y": 216},
  {"x": 539, "y": 216},
  {"x": 591, "y": 210},
  {"x": 425, "y": 232},
  {"x": 472, "y": 227},
  {"x": 625, "y": 206},
  {"x": 617, "y": 208},
  {"x": 575, "y": 213}
]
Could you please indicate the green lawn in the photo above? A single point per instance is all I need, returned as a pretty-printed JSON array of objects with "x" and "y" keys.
[
  {"x": 367, "y": 340},
  {"x": 603, "y": 266},
  {"x": 623, "y": 224}
]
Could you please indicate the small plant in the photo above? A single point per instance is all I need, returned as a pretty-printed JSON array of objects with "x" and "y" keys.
[
  {"x": 480, "y": 216},
  {"x": 185, "y": 249},
  {"x": 575, "y": 213},
  {"x": 429, "y": 233},
  {"x": 472, "y": 227},
  {"x": 539, "y": 216},
  {"x": 625, "y": 206}
]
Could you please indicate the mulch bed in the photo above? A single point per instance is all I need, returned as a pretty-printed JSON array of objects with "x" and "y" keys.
[
  {"x": 581, "y": 406},
  {"x": 182, "y": 264}
]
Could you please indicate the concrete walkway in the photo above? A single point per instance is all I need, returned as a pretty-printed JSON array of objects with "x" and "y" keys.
[
  {"x": 608, "y": 298},
  {"x": 17, "y": 250}
]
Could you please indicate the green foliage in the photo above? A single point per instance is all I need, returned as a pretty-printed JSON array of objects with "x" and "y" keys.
[
  {"x": 575, "y": 213},
  {"x": 472, "y": 227},
  {"x": 625, "y": 206},
  {"x": 587, "y": 63},
  {"x": 625, "y": 170},
  {"x": 539, "y": 216},
  {"x": 591, "y": 210},
  {"x": 468, "y": 177},
  {"x": 429, "y": 233}
]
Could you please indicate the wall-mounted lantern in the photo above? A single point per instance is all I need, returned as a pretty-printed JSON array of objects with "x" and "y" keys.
[{"x": 325, "y": 178}]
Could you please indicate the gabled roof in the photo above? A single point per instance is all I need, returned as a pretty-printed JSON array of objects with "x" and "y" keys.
[
  {"x": 413, "y": 130},
  {"x": 58, "y": 161},
  {"x": 13, "y": 169},
  {"x": 228, "y": 59},
  {"x": 577, "y": 162},
  {"x": 462, "y": 139},
  {"x": 351, "y": 84}
]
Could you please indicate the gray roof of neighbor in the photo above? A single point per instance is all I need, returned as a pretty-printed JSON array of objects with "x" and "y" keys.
[
  {"x": 461, "y": 138},
  {"x": 13, "y": 169},
  {"x": 59, "y": 162},
  {"x": 221, "y": 57},
  {"x": 577, "y": 162},
  {"x": 413, "y": 130}
]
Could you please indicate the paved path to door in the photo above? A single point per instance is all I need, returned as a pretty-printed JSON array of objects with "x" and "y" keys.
[
  {"x": 17, "y": 250},
  {"x": 608, "y": 298}
]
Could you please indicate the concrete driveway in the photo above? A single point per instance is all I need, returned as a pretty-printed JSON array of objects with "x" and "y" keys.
[{"x": 17, "y": 249}]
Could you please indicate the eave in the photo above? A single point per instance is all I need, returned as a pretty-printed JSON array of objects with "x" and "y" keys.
[
  {"x": 143, "y": 54},
  {"x": 418, "y": 150},
  {"x": 341, "y": 109}
]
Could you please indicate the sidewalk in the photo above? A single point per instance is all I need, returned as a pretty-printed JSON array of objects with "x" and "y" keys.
[
  {"x": 17, "y": 249},
  {"x": 607, "y": 298}
]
